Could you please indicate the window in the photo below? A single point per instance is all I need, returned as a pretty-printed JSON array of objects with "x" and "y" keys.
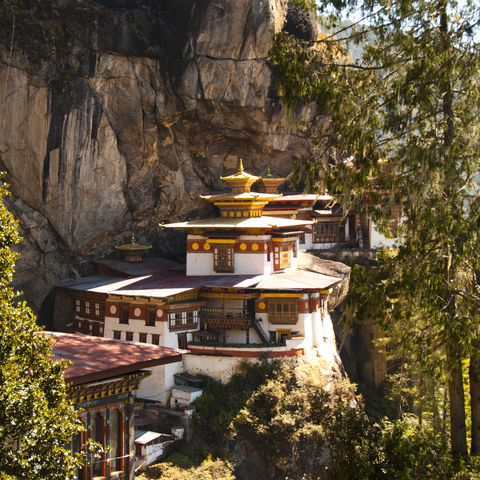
[
  {"x": 150, "y": 321},
  {"x": 116, "y": 441},
  {"x": 117, "y": 335},
  {"x": 129, "y": 336},
  {"x": 142, "y": 337},
  {"x": 281, "y": 257},
  {"x": 155, "y": 339},
  {"x": 192, "y": 317},
  {"x": 282, "y": 312},
  {"x": 87, "y": 308},
  {"x": 174, "y": 319},
  {"x": 97, "y": 309},
  {"x": 324, "y": 232},
  {"x": 77, "y": 305},
  {"x": 183, "y": 320},
  {"x": 98, "y": 435},
  {"x": 223, "y": 258},
  {"x": 124, "y": 315}
]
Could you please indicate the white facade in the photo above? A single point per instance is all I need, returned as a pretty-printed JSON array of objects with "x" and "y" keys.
[
  {"x": 255, "y": 260},
  {"x": 183, "y": 396},
  {"x": 158, "y": 385},
  {"x": 312, "y": 333},
  {"x": 378, "y": 240},
  {"x": 244, "y": 264}
]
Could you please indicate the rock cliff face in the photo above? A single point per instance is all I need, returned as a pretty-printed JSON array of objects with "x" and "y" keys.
[{"x": 153, "y": 102}]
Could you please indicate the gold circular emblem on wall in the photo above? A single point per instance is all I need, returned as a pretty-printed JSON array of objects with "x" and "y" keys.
[
  {"x": 261, "y": 305},
  {"x": 195, "y": 246},
  {"x": 206, "y": 246},
  {"x": 137, "y": 312},
  {"x": 159, "y": 312},
  {"x": 243, "y": 246},
  {"x": 113, "y": 309},
  {"x": 255, "y": 247}
]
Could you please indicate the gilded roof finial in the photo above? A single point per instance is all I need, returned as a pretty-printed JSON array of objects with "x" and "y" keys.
[
  {"x": 133, "y": 251},
  {"x": 240, "y": 166}
]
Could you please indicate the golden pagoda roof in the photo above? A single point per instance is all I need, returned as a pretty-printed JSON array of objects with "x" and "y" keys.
[
  {"x": 132, "y": 246},
  {"x": 241, "y": 176},
  {"x": 268, "y": 183},
  {"x": 270, "y": 177},
  {"x": 240, "y": 181}
]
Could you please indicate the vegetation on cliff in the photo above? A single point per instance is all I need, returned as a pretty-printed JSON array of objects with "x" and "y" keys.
[
  {"x": 37, "y": 420},
  {"x": 288, "y": 426},
  {"x": 403, "y": 130}
]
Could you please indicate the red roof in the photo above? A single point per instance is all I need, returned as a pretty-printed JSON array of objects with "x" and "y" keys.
[
  {"x": 160, "y": 285},
  {"x": 98, "y": 358},
  {"x": 146, "y": 267}
]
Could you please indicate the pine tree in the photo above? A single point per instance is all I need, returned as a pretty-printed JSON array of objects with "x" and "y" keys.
[
  {"x": 406, "y": 116},
  {"x": 37, "y": 421}
]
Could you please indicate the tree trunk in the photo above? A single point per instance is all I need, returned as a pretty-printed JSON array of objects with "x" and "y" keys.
[
  {"x": 474, "y": 374},
  {"x": 458, "y": 431}
]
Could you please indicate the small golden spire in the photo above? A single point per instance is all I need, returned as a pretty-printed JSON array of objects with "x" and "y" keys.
[
  {"x": 240, "y": 166},
  {"x": 133, "y": 251}
]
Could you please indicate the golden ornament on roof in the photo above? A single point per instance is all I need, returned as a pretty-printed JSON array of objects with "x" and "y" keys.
[
  {"x": 240, "y": 181},
  {"x": 133, "y": 251}
]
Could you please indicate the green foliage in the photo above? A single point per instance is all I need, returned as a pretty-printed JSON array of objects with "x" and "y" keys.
[
  {"x": 303, "y": 432},
  {"x": 403, "y": 125},
  {"x": 209, "y": 469},
  {"x": 219, "y": 403},
  {"x": 37, "y": 420}
]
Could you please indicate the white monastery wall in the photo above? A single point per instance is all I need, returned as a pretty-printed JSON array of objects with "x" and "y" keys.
[
  {"x": 308, "y": 245},
  {"x": 201, "y": 264},
  {"x": 158, "y": 385},
  {"x": 220, "y": 368},
  {"x": 238, "y": 336},
  {"x": 305, "y": 328},
  {"x": 243, "y": 264},
  {"x": 328, "y": 332},
  {"x": 136, "y": 326},
  {"x": 252, "y": 264},
  {"x": 378, "y": 240}
]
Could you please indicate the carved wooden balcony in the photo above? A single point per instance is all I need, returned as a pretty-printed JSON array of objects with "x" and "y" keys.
[{"x": 224, "y": 318}]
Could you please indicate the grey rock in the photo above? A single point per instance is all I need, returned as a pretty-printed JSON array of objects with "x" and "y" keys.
[{"x": 159, "y": 99}]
